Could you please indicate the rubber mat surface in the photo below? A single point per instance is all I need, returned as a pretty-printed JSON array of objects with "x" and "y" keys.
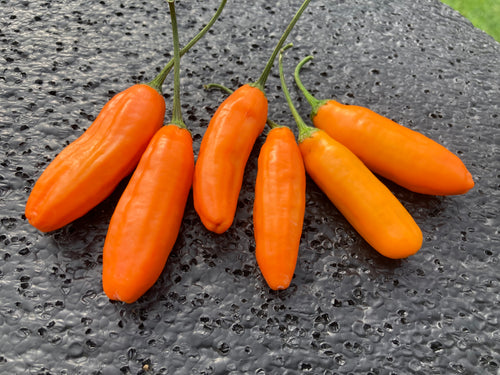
[{"x": 348, "y": 310}]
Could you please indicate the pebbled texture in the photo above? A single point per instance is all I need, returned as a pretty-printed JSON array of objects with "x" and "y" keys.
[{"x": 348, "y": 309}]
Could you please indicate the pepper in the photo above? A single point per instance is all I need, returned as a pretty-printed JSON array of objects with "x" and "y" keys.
[
  {"x": 389, "y": 149},
  {"x": 85, "y": 172},
  {"x": 367, "y": 204},
  {"x": 226, "y": 146},
  {"x": 279, "y": 206},
  {"x": 146, "y": 221}
]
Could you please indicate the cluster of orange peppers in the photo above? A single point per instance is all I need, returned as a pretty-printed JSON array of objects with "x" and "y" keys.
[{"x": 344, "y": 150}]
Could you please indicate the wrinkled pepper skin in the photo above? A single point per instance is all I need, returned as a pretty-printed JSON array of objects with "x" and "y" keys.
[
  {"x": 224, "y": 152},
  {"x": 367, "y": 204},
  {"x": 279, "y": 206},
  {"x": 393, "y": 151},
  {"x": 148, "y": 216},
  {"x": 85, "y": 172}
]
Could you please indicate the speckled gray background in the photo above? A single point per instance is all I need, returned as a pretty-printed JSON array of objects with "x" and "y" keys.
[{"x": 348, "y": 310}]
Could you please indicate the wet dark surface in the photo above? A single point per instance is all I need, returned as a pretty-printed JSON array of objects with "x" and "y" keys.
[{"x": 348, "y": 310}]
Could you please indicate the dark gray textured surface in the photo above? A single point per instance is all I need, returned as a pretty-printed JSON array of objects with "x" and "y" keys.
[{"x": 348, "y": 309}]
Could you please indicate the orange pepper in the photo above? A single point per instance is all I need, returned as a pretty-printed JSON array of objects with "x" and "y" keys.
[
  {"x": 226, "y": 146},
  {"x": 358, "y": 194},
  {"x": 391, "y": 150},
  {"x": 279, "y": 206},
  {"x": 223, "y": 154},
  {"x": 146, "y": 221},
  {"x": 148, "y": 216},
  {"x": 366, "y": 203},
  {"x": 86, "y": 171}
]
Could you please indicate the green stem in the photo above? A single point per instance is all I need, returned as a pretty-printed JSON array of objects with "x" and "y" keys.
[
  {"x": 273, "y": 124},
  {"x": 210, "y": 86},
  {"x": 261, "y": 82},
  {"x": 157, "y": 82},
  {"x": 315, "y": 103},
  {"x": 305, "y": 131},
  {"x": 176, "y": 111}
]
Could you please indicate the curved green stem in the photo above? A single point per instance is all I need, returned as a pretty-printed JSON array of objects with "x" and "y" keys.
[
  {"x": 210, "y": 86},
  {"x": 273, "y": 124},
  {"x": 261, "y": 82},
  {"x": 157, "y": 82},
  {"x": 315, "y": 103},
  {"x": 305, "y": 131},
  {"x": 176, "y": 111}
]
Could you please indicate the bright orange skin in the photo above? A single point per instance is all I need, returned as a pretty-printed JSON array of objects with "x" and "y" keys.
[
  {"x": 362, "y": 198},
  {"x": 224, "y": 152},
  {"x": 393, "y": 151},
  {"x": 85, "y": 172},
  {"x": 148, "y": 216},
  {"x": 279, "y": 206}
]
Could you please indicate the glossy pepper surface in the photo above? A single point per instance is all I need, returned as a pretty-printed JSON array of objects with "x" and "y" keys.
[
  {"x": 367, "y": 204},
  {"x": 279, "y": 206},
  {"x": 393, "y": 151},
  {"x": 86, "y": 171},
  {"x": 224, "y": 152},
  {"x": 147, "y": 219}
]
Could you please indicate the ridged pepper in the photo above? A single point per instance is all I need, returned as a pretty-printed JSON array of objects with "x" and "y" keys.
[
  {"x": 86, "y": 171},
  {"x": 146, "y": 221},
  {"x": 223, "y": 154},
  {"x": 279, "y": 206}
]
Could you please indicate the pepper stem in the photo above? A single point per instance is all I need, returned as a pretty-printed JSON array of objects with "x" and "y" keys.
[
  {"x": 210, "y": 86},
  {"x": 261, "y": 82},
  {"x": 315, "y": 103},
  {"x": 305, "y": 131},
  {"x": 157, "y": 82},
  {"x": 272, "y": 124},
  {"x": 176, "y": 111}
]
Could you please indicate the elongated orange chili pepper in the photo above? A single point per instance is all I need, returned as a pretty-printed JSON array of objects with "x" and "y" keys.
[
  {"x": 148, "y": 216},
  {"x": 226, "y": 146},
  {"x": 88, "y": 169},
  {"x": 360, "y": 196},
  {"x": 279, "y": 206},
  {"x": 85, "y": 172},
  {"x": 223, "y": 154},
  {"x": 393, "y": 151}
]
